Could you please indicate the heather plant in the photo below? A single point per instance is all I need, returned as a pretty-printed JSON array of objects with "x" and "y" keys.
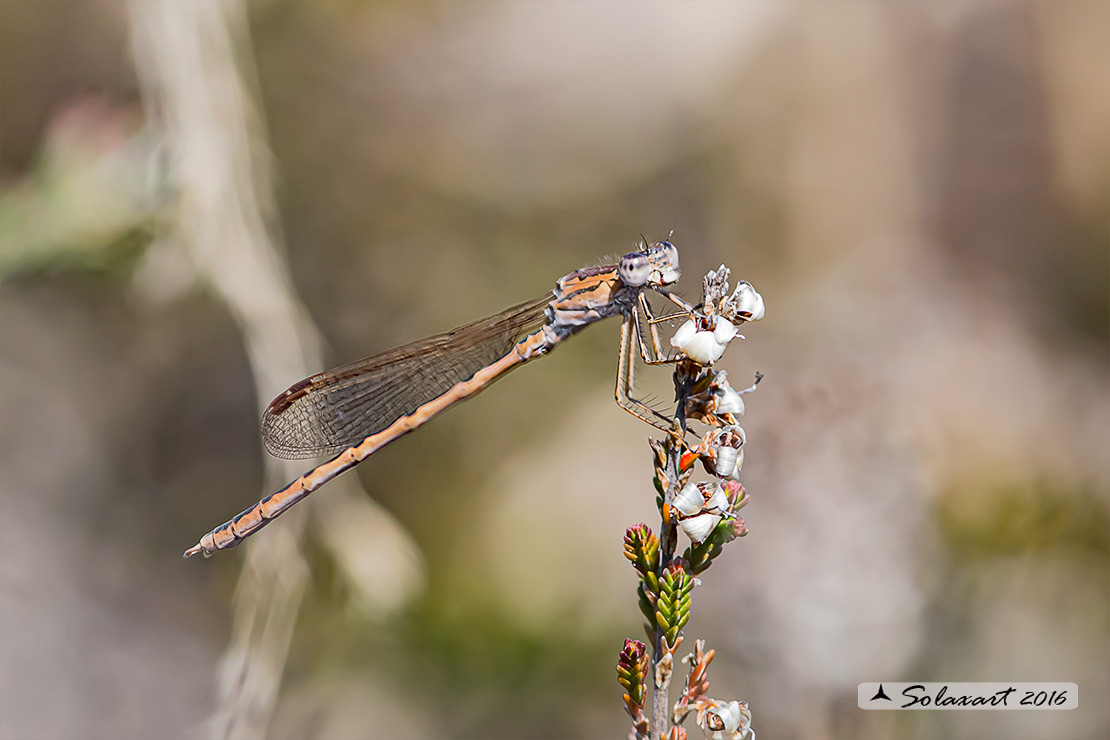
[{"x": 705, "y": 510}]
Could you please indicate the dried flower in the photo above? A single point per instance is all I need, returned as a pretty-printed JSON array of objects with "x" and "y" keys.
[
  {"x": 745, "y": 304},
  {"x": 726, "y": 399},
  {"x": 725, "y": 451},
  {"x": 717, "y": 402},
  {"x": 725, "y": 720},
  {"x": 697, "y": 681}
]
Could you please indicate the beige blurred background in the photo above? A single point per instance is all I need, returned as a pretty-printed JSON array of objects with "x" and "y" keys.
[{"x": 200, "y": 202}]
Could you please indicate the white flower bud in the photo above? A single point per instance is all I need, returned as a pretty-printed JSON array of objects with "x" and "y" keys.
[
  {"x": 704, "y": 346},
  {"x": 730, "y": 461},
  {"x": 684, "y": 334},
  {"x": 727, "y": 450},
  {"x": 718, "y": 502},
  {"x": 699, "y": 346},
  {"x": 724, "y": 463},
  {"x": 748, "y": 301},
  {"x": 689, "y": 500},
  {"x": 724, "y": 331},
  {"x": 728, "y": 400},
  {"x": 697, "y": 528}
]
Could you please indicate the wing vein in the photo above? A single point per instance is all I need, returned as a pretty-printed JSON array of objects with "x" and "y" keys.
[{"x": 339, "y": 408}]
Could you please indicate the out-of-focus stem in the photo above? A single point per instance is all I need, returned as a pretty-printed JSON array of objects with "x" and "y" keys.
[{"x": 196, "y": 79}]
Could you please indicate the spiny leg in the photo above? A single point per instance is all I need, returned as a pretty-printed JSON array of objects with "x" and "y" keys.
[
  {"x": 655, "y": 355},
  {"x": 625, "y": 360},
  {"x": 667, "y": 317},
  {"x": 687, "y": 308}
]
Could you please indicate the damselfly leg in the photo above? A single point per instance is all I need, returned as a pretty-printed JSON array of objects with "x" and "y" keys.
[{"x": 632, "y": 331}]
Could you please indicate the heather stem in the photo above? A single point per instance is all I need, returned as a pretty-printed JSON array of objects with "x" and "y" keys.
[{"x": 668, "y": 541}]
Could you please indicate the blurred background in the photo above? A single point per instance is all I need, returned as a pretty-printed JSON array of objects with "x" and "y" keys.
[{"x": 202, "y": 202}]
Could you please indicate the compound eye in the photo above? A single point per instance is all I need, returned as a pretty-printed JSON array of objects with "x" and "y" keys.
[
  {"x": 634, "y": 269},
  {"x": 670, "y": 253}
]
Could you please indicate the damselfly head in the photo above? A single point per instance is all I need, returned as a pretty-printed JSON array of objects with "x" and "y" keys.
[
  {"x": 664, "y": 256},
  {"x": 654, "y": 265}
]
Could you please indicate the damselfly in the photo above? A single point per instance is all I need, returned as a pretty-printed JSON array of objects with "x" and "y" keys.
[{"x": 357, "y": 409}]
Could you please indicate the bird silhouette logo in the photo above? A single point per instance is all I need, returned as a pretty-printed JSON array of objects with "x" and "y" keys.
[{"x": 880, "y": 694}]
